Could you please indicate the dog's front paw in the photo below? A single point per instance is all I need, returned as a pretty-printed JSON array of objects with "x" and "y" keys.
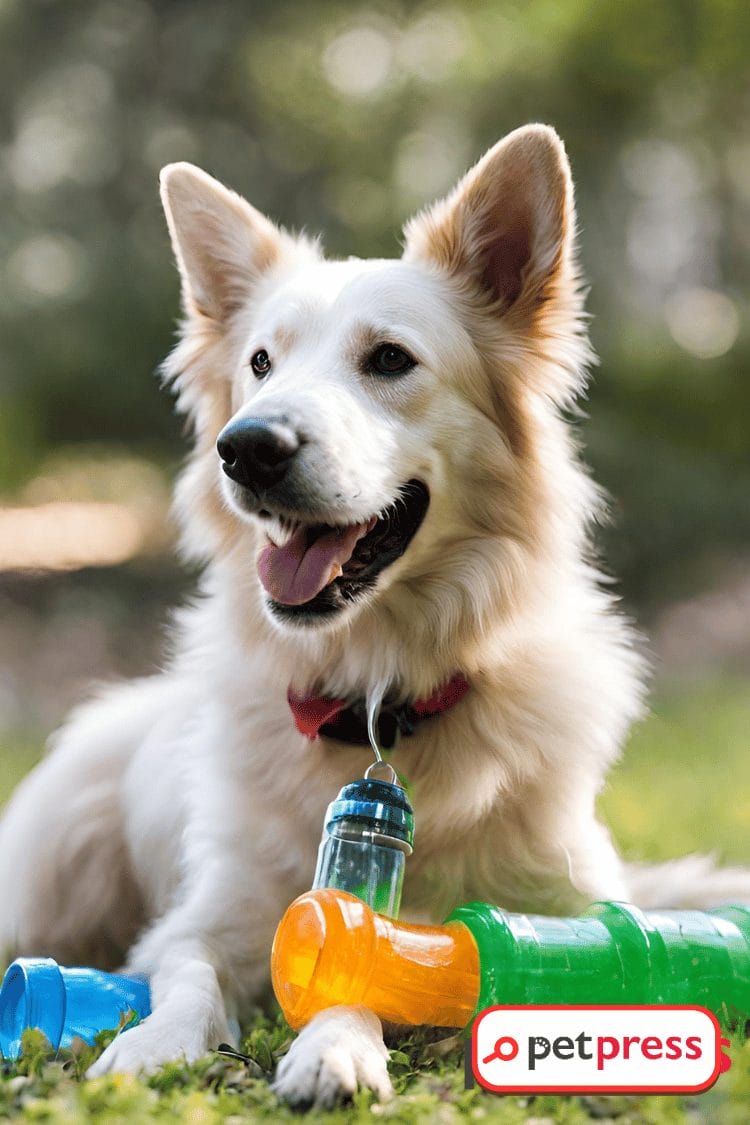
[
  {"x": 339, "y": 1050},
  {"x": 143, "y": 1049}
]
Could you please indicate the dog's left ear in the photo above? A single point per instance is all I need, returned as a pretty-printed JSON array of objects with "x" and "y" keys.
[{"x": 506, "y": 228}]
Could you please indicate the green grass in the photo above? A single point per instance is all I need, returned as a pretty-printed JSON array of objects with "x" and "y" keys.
[
  {"x": 17, "y": 756},
  {"x": 684, "y": 782},
  {"x": 684, "y": 786}
]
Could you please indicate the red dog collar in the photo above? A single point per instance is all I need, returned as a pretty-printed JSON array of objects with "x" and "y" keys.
[{"x": 334, "y": 718}]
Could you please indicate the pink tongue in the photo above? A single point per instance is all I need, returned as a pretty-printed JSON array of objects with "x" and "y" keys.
[{"x": 295, "y": 573}]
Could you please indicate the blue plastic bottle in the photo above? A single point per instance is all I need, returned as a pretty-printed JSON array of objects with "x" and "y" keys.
[{"x": 64, "y": 1002}]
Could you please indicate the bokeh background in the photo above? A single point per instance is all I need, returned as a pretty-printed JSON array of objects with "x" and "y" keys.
[{"x": 345, "y": 117}]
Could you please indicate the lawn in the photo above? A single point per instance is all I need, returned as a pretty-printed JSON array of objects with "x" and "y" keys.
[{"x": 683, "y": 786}]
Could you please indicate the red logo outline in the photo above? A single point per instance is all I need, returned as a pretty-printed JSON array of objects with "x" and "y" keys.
[{"x": 576, "y": 1089}]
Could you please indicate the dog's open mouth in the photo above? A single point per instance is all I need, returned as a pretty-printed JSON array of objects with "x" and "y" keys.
[{"x": 320, "y": 568}]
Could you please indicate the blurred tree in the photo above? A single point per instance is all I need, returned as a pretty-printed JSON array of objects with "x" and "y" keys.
[{"x": 344, "y": 118}]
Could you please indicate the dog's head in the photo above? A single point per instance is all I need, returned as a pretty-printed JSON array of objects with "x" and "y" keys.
[{"x": 370, "y": 430}]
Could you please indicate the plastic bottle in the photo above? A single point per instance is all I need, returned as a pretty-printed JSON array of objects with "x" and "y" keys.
[
  {"x": 64, "y": 1002},
  {"x": 331, "y": 949},
  {"x": 367, "y": 834}
]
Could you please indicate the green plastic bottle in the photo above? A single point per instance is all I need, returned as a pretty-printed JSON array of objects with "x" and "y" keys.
[
  {"x": 614, "y": 953},
  {"x": 331, "y": 948}
]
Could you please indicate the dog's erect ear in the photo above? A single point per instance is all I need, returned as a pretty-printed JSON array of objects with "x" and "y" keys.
[
  {"x": 221, "y": 243},
  {"x": 506, "y": 225}
]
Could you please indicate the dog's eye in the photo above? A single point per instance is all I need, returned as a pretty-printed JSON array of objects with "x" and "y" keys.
[
  {"x": 389, "y": 359},
  {"x": 261, "y": 363}
]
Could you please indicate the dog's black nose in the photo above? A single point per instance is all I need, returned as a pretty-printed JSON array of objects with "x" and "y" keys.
[{"x": 257, "y": 451}]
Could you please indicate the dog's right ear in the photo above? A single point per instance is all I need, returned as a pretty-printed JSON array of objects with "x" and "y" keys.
[{"x": 221, "y": 243}]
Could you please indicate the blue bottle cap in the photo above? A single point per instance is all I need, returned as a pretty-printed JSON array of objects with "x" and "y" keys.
[{"x": 379, "y": 806}]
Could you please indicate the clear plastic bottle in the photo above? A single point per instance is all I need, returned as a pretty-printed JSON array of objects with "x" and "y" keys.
[{"x": 367, "y": 834}]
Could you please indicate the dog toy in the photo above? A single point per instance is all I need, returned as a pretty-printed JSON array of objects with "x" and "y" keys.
[
  {"x": 340, "y": 943},
  {"x": 331, "y": 948},
  {"x": 65, "y": 1002}
]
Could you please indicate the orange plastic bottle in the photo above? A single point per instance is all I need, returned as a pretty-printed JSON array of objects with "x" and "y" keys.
[{"x": 331, "y": 948}]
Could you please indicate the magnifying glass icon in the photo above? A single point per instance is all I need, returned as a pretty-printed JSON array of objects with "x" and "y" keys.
[{"x": 506, "y": 1048}]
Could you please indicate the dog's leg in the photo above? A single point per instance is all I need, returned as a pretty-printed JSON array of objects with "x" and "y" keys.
[
  {"x": 213, "y": 949},
  {"x": 338, "y": 1051},
  {"x": 210, "y": 951},
  {"x": 188, "y": 1019}
]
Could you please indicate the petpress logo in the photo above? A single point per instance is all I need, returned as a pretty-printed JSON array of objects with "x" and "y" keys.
[{"x": 584, "y": 1048}]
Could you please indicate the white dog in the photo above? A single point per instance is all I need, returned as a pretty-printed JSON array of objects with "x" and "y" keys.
[{"x": 396, "y": 508}]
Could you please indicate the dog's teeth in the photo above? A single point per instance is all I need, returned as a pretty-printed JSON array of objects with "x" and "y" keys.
[
  {"x": 335, "y": 572},
  {"x": 279, "y": 530}
]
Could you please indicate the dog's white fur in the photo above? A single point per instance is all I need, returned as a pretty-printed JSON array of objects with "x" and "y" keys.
[{"x": 178, "y": 816}]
